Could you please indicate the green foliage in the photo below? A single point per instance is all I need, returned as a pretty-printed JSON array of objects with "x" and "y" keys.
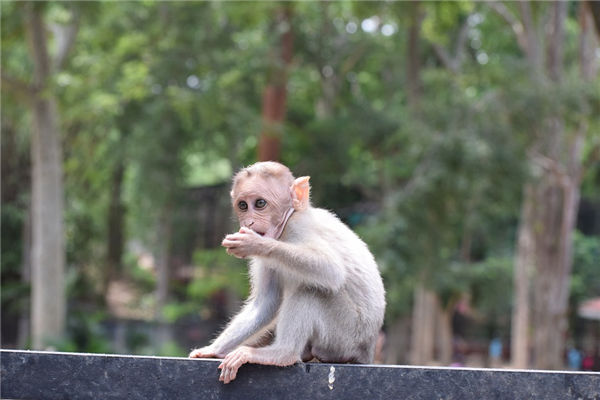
[
  {"x": 217, "y": 270},
  {"x": 172, "y": 92},
  {"x": 215, "y": 273},
  {"x": 490, "y": 285},
  {"x": 142, "y": 277},
  {"x": 585, "y": 281},
  {"x": 440, "y": 22},
  {"x": 171, "y": 349},
  {"x": 84, "y": 333}
]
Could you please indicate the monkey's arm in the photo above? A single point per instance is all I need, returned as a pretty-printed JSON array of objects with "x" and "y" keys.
[
  {"x": 313, "y": 263},
  {"x": 258, "y": 312}
]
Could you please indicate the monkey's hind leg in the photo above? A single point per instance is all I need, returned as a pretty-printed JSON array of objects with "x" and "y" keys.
[
  {"x": 270, "y": 355},
  {"x": 292, "y": 333}
]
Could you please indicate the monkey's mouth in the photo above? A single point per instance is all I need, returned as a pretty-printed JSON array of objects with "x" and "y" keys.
[{"x": 261, "y": 233}]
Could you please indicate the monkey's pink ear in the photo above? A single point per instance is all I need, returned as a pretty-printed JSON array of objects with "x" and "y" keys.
[{"x": 301, "y": 193}]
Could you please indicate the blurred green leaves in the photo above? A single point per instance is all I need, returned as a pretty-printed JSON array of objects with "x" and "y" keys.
[{"x": 172, "y": 92}]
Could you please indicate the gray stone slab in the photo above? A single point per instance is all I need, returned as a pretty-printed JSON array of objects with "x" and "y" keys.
[{"x": 44, "y": 375}]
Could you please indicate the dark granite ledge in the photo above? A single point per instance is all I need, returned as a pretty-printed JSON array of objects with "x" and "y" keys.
[{"x": 45, "y": 375}]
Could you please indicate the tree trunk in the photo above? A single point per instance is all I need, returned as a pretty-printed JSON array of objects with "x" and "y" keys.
[
  {"x": 444, "y": 332},
  {"x": 558, "y": 202},
  {"x": 162, "y": 262},
  {"x": 396, "y": 345},
  {"x": 116, "y": 211},
  {"x": 594, "y": 7},
  {"x": 549, "y": 316},
  {"x": 423, "y": 326},
  {"x": 48, "y": 254},
  {"x": 550, "y": 206},
  {"x": 522, "y": 281},
  {"x": 558, "y": 194},
  {"x": 24, "y": 331},
  {"x": 274, "y": 97}
]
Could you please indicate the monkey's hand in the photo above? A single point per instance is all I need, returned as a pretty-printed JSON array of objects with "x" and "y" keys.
[
  {"x": 205, "y": 352},
  {"x": 246, "y": 243},
  {"x": 233, "y": 361}
]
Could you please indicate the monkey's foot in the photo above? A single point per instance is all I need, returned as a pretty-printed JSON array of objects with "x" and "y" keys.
[
  {"x": 270, "y": 355},
  {"x": 233, "y": 361}
]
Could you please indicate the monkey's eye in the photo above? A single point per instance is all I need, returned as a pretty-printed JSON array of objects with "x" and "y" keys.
[
  {"x": 242, "y": 205},
  {"x": 260, "y": 203}
]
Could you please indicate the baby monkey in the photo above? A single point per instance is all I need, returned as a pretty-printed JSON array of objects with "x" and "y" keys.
[{"x": 316, "y": 291}]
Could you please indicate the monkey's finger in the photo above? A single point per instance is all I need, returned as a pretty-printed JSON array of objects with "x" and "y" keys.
[
  {"x": 233, "y": 374},
  {"x": 227, "y": 375},
  {"x": 236, "y": 252},
  {"x": 237, "y": 235},
  {"x": 223, "y": 374},
  {"x": 233, "y": 236},
  {"x": 247, "y": 231},
  {"x": 230, "y": 243}
]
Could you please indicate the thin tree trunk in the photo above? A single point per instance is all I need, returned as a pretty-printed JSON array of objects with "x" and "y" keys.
[
  {"x": 594, "y": 7},
  {"x": 274, "y": 98},
  {"x": 428, "y": 327},
  {"x": 48, "y": 254},
  {"x": 423, "y": 325},
  {"x": 116, "y": 211},
  {"x": 162, "y": 262},
  {"x": 416, "y": 338},
  {"x": 524, "y": 263},
  {"x": 444, "y": 334},
  {"x": 396, "y": 345},
  {"x": 24, "y": 331}
]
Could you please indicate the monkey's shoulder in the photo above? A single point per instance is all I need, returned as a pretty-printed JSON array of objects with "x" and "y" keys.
[
  {"x": 322, "y": 229},
  {"x": 313, "y": 217}
]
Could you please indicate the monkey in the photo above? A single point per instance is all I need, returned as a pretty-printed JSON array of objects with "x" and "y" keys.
[{"x": 315, "y": 288}]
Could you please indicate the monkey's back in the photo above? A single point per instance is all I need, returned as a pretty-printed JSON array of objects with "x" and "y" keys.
[{"x": 363, "y": 287}]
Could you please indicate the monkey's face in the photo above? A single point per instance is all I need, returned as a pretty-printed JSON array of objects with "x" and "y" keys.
[{"x": 262, "y": 204}]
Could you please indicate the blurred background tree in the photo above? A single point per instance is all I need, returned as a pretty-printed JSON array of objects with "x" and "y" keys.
[{"x": 458, "y": 138}]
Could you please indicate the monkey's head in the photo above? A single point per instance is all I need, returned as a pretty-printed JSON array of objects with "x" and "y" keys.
[{"x": 265, "y": 194}]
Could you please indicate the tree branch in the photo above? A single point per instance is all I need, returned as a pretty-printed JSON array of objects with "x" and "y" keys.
[
  {"x": 594, "y": 7},
  {"x": 453, "y": 63},
  {"x": 556, "y": 44},
  {"x": 461, "y": 41},
  {"x": 65, "y": 39},
  {"x": 532, "y": 45},
  {"x": 512, "y": 20},
  {"x": 36, "y": 34},
  {"x": 445, "y": 58},
  {"x": 587, "y": 41}
]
